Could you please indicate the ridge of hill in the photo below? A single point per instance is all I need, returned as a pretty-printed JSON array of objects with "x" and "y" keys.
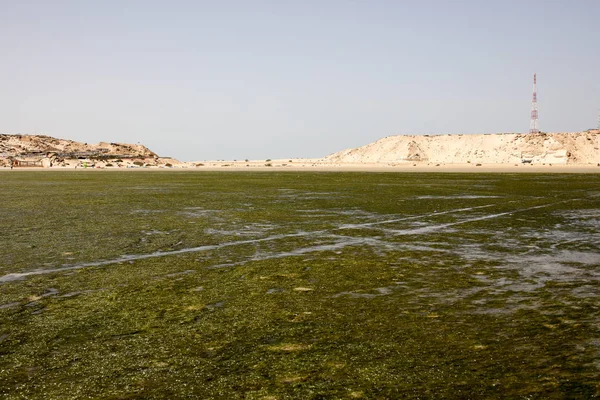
[
  {"x": 499, "y": 148},
  {"x": 46, "y": 151},
  {"x": 24, "y": 145}
]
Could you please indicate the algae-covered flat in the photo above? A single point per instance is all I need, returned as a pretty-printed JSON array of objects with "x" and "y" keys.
[{"x": 299, "y": 285}]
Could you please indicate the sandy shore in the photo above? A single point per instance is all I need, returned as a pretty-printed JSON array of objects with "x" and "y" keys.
[{"x": 255, "y": 166}]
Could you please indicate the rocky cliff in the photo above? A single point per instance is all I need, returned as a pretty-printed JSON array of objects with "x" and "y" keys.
[
  {"x": 26, "y": 145},
  {"x": 501, "y": 148}
]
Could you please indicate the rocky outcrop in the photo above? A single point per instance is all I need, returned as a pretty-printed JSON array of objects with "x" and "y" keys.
[
  {"x": 22, "y": 145},
  {"x": 501, "y": 148},
  {"x": 46, "y": 151}
]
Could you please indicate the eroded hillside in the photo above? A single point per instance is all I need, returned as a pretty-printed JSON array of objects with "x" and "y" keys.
[
  {"x": 504, "y": 148},
  {"x": 23, "y": 145}
]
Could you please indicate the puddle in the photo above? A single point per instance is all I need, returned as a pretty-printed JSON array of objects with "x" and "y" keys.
[
  {"x": 155, "y": 232},
  {"x": 586, "y": 291},
  {"x": 189, "y": 271},
  {"x": 381, "y": 291},
  {"x": 246, "y": 230},
  {"x": 9, "y": 305},
  {"x": 77, "y": 293},
  {"x": 198, "y": 212},
  {"x": 463, "y": 196},
  {"x": 587, "y": 218},
  {"x": 50, "y": 292},
  {"x": 151, "y": 188},
  {"x": 214, "y": 306},
  {"x": 146, "y": 212},
  {"x": 293, "y": 194},
  {"x": 559, "y": 237},
  {"x": 560, "y": 265}
]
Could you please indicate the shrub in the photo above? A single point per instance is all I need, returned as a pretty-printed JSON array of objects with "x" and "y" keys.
[
  {"x": 109, "y": 165},
  {"x": 268, "y": 165},
  {"x": 138, "y": 163},
  {"x": 100, "y": 157},
  {"x": 268, "y": 159},
  {"x": 168, "y": 165}
]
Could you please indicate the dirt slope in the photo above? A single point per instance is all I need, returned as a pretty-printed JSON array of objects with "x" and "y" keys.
[{"x": 502, "y": 148}]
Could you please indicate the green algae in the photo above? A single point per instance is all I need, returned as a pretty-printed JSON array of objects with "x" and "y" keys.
[{"x": 370, "y": 286}]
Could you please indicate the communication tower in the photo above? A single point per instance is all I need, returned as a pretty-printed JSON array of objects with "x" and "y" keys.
[{"x": 533, "y": 125}]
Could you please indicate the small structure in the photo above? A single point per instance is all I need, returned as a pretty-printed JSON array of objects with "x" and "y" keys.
[
  {"x": 45, "y": 162},
  {"x": 27, "y": 163}
]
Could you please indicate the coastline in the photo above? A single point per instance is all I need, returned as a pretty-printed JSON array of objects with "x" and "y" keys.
[{"x": 254, "y": 166}]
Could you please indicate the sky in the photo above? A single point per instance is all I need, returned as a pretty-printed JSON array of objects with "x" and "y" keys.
[{"x": 256, "y": 79}]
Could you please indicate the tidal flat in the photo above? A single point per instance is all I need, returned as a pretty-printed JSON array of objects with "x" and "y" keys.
[{"x": 299, "y": 285}]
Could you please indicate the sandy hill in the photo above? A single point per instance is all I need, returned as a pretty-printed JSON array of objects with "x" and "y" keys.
[
  {"x": 23, "y": 145},
  {"x": 46, "y": 151},
  {"x": 501, "y": 148}
]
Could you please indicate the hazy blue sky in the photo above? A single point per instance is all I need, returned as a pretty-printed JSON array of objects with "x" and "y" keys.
[{"x": 272, "y": 79}]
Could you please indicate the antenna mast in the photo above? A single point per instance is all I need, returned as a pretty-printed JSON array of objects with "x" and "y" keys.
[{"x": 533, "y": 125}]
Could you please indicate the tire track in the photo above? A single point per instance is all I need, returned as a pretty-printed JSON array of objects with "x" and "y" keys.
[{"x": 417, "y": 231}]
